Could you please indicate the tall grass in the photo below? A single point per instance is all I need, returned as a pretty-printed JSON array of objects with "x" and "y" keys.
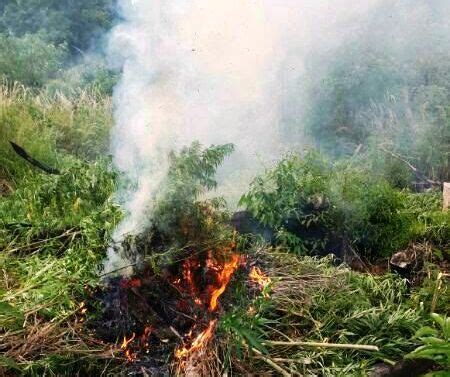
[
  {"x": 54, "y": 230},
  {"x": 50, "y": 125}
]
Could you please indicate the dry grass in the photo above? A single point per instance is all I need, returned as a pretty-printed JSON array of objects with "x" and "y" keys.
[{"x": 202, "y": 363}]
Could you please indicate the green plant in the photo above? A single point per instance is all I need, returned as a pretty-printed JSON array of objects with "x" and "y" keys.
[
  {"x": 29, "y": 59},
  {"x": 75, "y": 24},
  {"x": 435, "y": 341},
  {"x": 315, "y": 207},
  {"x": 290, "y": 190},
  {"x": 190, "y": 175},
  {"x": 46, "y": 124}
]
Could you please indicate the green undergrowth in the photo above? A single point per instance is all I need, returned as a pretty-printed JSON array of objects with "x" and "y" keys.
[
  {"x": 311, "y": 300},
  {"x": 55, "y": 230},
  {"x": 315, "y": 206},
  {"x": 50, "y": 126}
]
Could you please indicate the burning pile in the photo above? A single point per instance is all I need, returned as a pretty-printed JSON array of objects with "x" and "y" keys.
[
  {"x": 170, "y": 313},
  {"x": 218, "y": 274},
  {"x": 169, "y": 310}
]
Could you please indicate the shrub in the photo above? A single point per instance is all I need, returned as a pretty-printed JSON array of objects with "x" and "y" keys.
[
  {"x": 179, "y": 214},
  {"x": 29, "y": 59},
  {"x": 312, "y": 205}
]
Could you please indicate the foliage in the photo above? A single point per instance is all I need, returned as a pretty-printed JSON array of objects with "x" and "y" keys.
[
  {"x": 313, "y": 205},
  {"x": 58, "y": 201},
  {"x": 74, "y": 23},
  {"x": 310, "y": 300},
  {"x": 431, "y": 223},
  {"x": 54, "y": 231},
  {"x": 285, "y": 191},
  {"x": 436, "y": 342},
  {"x": 245, "y": 325},
  {"x": 375, "y": 90},
  {"x": 29, "y": 59},
  {"x": 190, "y": 175},
  {"x": 56, "y": 43},
  {"x": 91, "y": 75},
  {"x": 43, "y": 123}
]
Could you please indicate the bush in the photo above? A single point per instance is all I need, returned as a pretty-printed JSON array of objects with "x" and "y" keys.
[
  {"x": 313, "y": 205},
  {"x": 394, "y": 90},
  {"x": 29, "y": 59},
  {"x": 74, "y": 23},
  {"x": 179, "y": 213},
  {"x": 431, "y": 223},
  {"x": 92, "y": 75}
]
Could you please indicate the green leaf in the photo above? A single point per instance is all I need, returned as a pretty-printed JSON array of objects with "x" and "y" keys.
[
  {"x": 425, "y": 331},
  {"x": 253, "y": 341},
  {"x": 438, "y": 319},
  {"x": 9, "y": 363}
]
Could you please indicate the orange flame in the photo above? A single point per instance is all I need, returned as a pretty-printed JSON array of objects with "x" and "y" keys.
[
  {"x": 223, "y": 278},
  {"x": 259, "y": 277},
  {"x": 199, "y": 342},
  {"x": 216, "y": 273},
  {"x": 128, "y": 354}
]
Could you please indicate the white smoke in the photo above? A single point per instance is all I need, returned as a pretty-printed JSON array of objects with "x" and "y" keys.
[{"x": 215, "y": 71}]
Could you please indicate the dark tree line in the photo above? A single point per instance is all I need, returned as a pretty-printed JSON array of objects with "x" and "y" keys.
[{"x": 78, "y": 24}]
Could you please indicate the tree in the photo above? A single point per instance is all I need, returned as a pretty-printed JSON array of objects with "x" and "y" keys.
[{"x": 77, "y": 23}]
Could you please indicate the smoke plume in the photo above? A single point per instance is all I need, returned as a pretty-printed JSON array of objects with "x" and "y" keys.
[{"x": 216, "y": 71}]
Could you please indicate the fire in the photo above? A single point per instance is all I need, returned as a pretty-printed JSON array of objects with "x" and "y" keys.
[
  {"x": 128, "y": 353},
  {"x": 258, "y": 277},
  {"x": 199, "y": 342},
  {"x": 200, "y": 281},
  {"x": 221, "y": 272},
  {"x": 223, "y": 278}
]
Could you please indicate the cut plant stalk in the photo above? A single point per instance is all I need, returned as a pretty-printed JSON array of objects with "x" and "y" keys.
[{"x": 361, "y": 347}]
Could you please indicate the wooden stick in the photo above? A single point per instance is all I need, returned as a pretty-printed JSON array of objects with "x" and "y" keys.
[
  {"x": 284, "y": 360},
  {"x": 362, "y": 347},
  {"x": 273, "y": 364}
]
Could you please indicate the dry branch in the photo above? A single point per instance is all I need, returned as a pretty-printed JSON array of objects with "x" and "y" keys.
[
  {"x": 416, "y": 171},
  {"x": 361, "y": 347},
  {"x": 272, "y": 363}
]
